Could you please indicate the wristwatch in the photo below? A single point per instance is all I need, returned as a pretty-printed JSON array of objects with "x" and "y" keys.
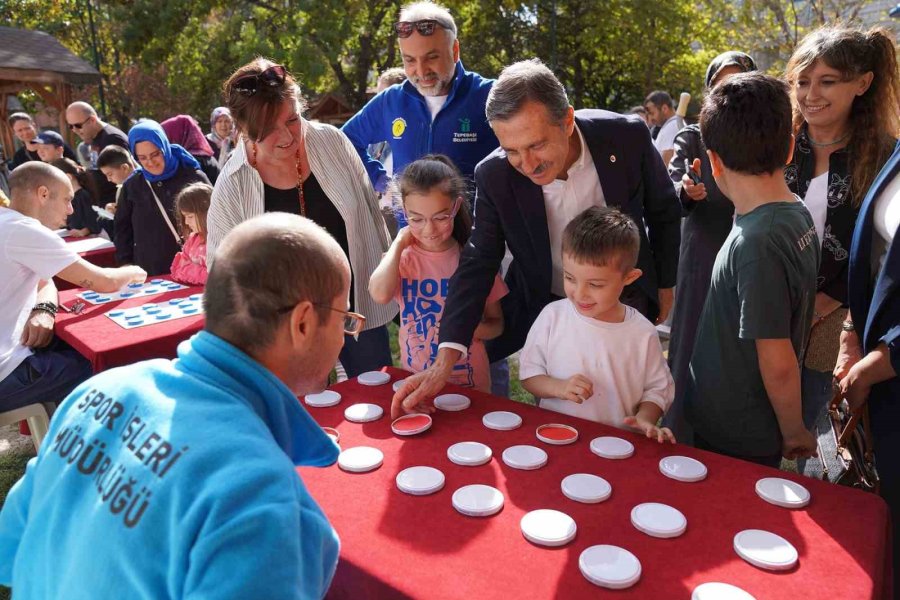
[{"x": 848, "y": 325}]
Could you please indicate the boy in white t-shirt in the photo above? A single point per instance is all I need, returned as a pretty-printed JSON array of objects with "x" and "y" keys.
[{"x": 589, "y": 355}]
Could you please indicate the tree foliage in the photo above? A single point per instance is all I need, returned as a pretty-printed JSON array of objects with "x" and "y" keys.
[{"x": 162, "y": 58}]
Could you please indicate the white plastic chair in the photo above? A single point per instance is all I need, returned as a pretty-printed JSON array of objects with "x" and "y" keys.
[{"x": 38, "y": 417}]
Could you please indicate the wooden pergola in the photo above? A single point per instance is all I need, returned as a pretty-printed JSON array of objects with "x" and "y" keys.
[{"x": 36, "y": 60}]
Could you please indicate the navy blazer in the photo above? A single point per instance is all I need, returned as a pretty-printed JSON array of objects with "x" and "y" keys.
[
  {"x": 509, "y": 210},
  {"x": 875, "y": 304}
]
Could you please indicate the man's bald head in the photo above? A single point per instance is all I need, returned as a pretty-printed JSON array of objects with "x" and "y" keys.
[
  {"x": 26, "y": 179},
  {"x": 41, "y": 191},
  {"x": 81, "y": 109},
  {"x": 265, "y": 267}
]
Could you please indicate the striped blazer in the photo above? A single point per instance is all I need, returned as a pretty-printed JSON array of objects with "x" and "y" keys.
[{"x": 238, "y": 195}]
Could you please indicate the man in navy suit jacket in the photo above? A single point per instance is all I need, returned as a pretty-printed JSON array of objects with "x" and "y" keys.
[
  {"x": 870, "y": 344},
  {"x": 552, "y": 164}
]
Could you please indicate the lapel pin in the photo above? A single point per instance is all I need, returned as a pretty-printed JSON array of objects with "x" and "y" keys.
[{"x": 612, "y": 158}]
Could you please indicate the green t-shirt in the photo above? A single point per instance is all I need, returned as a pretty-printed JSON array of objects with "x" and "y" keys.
[{"x": 763, "y": 287}]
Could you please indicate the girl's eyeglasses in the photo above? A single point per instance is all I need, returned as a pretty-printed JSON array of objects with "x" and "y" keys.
[{"x": 418, "y": 222}]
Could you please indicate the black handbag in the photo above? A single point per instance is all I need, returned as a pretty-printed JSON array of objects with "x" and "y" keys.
[{"x": 844, "y": 440}]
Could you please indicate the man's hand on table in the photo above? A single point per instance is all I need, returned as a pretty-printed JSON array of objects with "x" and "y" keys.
[
  {"x": 38, "y": 329},
  {"x": 418, "y": 390}
]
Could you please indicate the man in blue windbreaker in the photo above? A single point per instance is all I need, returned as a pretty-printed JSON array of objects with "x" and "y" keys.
[
  {"x": 438, "y": 109},
  {"x": 176, "y": 478}
]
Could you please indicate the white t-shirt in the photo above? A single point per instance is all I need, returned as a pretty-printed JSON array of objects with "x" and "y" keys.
[
  {"x": 435, "y": 104},
  {"x": 885, "y": 222},
  {"x": 816, "y": 201},
  {"x": 29, "y": 253},
  {"x": 665, "y": 139},
  {"x": 623, "y": 360},
  {"x": 564, "y": 200}
]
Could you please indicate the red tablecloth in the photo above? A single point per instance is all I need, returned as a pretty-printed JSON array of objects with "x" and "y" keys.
[
  {"x": 398, "y": 546},
  {"x": 104, "y": 257},
  {"x": 106, "y": 345}
]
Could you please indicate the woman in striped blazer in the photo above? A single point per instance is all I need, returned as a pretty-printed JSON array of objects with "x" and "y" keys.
[{"x": 283, "y": 163}]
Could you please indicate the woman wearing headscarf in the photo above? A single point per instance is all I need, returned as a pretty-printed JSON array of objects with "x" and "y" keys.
[
  {"x": 146, "y": 233},
  {"x": 222, "y": 134},
  {"x": 184, "y": 131},
  {"x": 708, "y": 219},
  {"x": 284, "y": 163},
  {"x": 846, "y": 95}
]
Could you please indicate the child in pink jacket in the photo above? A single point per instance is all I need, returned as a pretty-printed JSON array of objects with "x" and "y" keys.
[{"x": 191, "y": 206}]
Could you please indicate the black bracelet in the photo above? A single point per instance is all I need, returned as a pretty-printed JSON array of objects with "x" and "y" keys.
[{"x": 47, "y": 307}]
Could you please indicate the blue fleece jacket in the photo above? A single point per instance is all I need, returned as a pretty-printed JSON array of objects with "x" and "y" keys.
[
  {"x": 173, "y": 479},
  {"x": 400, "y": 116}
]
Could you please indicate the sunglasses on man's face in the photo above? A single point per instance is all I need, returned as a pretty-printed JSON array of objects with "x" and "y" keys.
[
  {"x": 425, "y": 27},
  {"x": 74, "y": 126},
  {"x": 250, "y": 84}
]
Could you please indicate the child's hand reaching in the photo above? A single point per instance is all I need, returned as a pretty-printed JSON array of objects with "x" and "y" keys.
[
  {"x": 577, "y": 389},
  {"x": 650, "y": 429}
]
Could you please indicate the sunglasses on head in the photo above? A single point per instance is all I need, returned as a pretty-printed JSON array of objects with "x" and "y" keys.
[
  {"x": 250, "y": 84},
  {"x": 425, "y": 27}
]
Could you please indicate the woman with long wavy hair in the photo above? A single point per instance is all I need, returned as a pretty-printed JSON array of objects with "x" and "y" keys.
[{"x": 846, "y": 96}]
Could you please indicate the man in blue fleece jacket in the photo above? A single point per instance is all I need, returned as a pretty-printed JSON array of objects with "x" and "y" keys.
[
  {"x": 176, "y": 479},
  {"x": 438, "y": 109}
]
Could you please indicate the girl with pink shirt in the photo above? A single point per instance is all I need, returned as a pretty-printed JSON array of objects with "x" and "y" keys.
[
  {"x": 191, "y": 206},
  {"x": 416, "y": 270}
]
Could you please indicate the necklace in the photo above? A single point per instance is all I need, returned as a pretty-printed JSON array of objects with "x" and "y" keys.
[
  {"x": 825, "y": 144},
  {"x": 300, "y": 185}
]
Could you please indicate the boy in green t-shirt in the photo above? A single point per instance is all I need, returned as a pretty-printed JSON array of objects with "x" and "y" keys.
[{"x": 743, "y": 392}]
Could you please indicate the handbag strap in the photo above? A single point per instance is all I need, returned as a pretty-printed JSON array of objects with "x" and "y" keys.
[
  {"x": 862, "y": 413},
  {"x": 164, "y": 214}
]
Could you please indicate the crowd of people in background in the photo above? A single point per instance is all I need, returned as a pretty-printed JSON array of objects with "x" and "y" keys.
[{"x": 514, "y": 223}]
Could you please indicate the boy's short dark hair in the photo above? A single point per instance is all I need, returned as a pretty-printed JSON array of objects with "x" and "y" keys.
[
  {"x": 113, "y": 157},
  {"x": 602, "y": 236},
  {"x": 746, "y": 120}
]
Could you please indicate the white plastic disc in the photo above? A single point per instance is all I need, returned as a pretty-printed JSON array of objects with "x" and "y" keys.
[
  {"x": 501, "y": 420},
  {"x": 360, "y": 459},
  {"x": 658, "y": 520},
  {"x": 322, "y": 399},
  {"x": 682, "y": 468},
  {"x": 612, "y": 447},
  {"x": 610, "y": 567},
  {"x": 420, "y": 481},
  {"x": 719, "y": 591},
  {"x": 411, "y": 424},
  {"x": 469, "y": 454},
  {"x": 557, "y": 434},
  {"x": 765, "y": 550},
  {"x": 478, "y": 500},
  {"x": 782, "y": 492},
  {"x": 363, "y": 413},
  {"x": 373, "y": 378},
  {"x": 526, "y": 458},
  {"x": 396, "y": 385},
  {"x": 548, "y": 527},
  {"x": 586, "y": 488},
  {"x": 452, "y": 402}
]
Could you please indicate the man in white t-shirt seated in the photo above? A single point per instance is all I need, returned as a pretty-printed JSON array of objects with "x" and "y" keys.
[
  {"x": 34, "y": 367},
  {"x": 661, "y": 112}
]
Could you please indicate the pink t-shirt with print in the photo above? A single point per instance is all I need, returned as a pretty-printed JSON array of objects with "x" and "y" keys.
[{"x": 424, "y": 281}]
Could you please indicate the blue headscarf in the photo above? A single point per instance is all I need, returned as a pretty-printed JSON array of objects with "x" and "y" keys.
[{"x": 174, "y": 155}]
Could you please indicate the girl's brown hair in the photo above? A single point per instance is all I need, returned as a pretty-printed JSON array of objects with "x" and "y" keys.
[
  {"x": 255, "y": 115},
  {"x": 437, "y": 171},
  {"x": 875, "y": 115},
  {"x": 194, "y": 199}
]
